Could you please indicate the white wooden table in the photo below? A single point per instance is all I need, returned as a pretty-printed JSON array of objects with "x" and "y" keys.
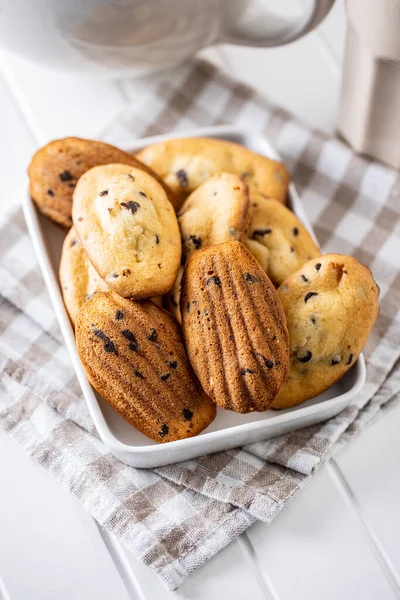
[{"x": 338, "y": 539}]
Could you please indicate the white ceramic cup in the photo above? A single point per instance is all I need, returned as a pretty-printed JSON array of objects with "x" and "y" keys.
[{"x": 120, "y": 38}]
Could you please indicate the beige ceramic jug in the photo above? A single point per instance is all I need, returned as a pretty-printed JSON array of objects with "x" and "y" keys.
[{"x": 369, "y": 116}]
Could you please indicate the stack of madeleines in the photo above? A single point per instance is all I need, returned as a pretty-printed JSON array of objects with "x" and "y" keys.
[{"x": 254, "y": 317}]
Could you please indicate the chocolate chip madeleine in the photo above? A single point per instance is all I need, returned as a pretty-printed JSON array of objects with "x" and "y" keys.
[
  {"x": 216, "y": 212},
  {"x": 185, "y": 163},
  {"x": 134, "y": 356},
  {"x": 129, "y": 230},
  {"x": 331, "y": 305},
  {"x": 277, "y": 239},
  {"x": 171, "y": 300},
  {"x": 79, "y": 279},
  {"x": 234, "y": 328},
  {"x": 57, "y": 166}
]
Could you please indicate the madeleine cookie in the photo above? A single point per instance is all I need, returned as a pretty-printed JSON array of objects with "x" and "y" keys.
[
  {"x": 79, "y": 279},
  {"x": 55, "y": 169},
  {"x": 234, "y": 328},
  {"x": 129, "y": 230},
  {"x": 172, "y": 298},
  {"x": 217, "y": 211},
  {"x": 185, "y": 163},
  {"x": 331, "y": 305},
  {"x": 277, "y": 239},
  {"x": 134, "y": 356}
]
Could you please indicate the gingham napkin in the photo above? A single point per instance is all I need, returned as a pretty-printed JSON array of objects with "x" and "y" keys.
[{"x": 177, "y": 517}]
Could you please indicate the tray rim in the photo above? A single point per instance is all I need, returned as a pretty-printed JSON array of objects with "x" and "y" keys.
[{"x": 53, "y": 287}]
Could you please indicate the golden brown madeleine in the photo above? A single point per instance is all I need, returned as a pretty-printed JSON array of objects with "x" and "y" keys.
[
  {"x": 331, "y": 305},
  {"x": 79, "y": 279},
  {"x": 129, "y": 230},
  {"x": 277, "y": 239},
  {"x": 217, "y": 211},
  {"x": 172, "y": 298},
  {"x": 234, "y": 328},
  {"x": 134, "y": 356},
  {"x": 57, "y": 166},
  {"x": 185, "y": 163}
]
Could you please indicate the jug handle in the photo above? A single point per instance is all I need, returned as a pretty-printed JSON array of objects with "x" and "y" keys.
[{"x": 283, "y": 31}]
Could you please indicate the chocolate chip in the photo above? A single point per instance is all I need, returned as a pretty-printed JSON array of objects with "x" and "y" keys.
[
  {"x": 267, "y": 362},
  {"x": 71, "y": 186},
  {"x": 157, "y": 240},
  {"x": 159, "y": 265},
  {"x": 100, "y": 334},
  {"x": 126, "y": 272},
  {"x": 295, "y": 231},
  {"x": 336, "y": 359},
  {"x": 134, "y": 345},
  {"x": 114, "y": 275},
  {"x": 65, "y": 176},
  {"x": 304, "y": 356},
  {"x": 304, "y": 278},
  {"x": 131, "y": 205},
  {"x": 182, "y": 178},
  {"x": 165, "y": 377},
  {"x": 317, "y": 266},
  {"x": 50, "y": 192},
  {"x": 130, "y": 176},
  {"x": 350, "y": 359},
  {"x": 309, "y": 295},
  {"x": 196, "y": 241},
  {"x": 103, "y": 193},
  {"x": 129, "y": 336},
  {"x": 187, "y": 414},
  {"x": 164, "y": 430},
  {"x": 142, "y": 194},
  {"x": 313, "y": 320},
  {"x": 119, "y": 315},
  {"x": 213, "y": 279},
  {"x": 109, "y": 347},
  {"x": 173, "y": 364},
  {"x": 138, "y": 374},
  {"x": 245, "y": 371},
  {"x": 249, "y": 277},
  {"x": 291, "y": 249},
  {"x": 74, "y": 243},
  {"x": 260, "y": 233},
  {"x": 153, "y": 335}
]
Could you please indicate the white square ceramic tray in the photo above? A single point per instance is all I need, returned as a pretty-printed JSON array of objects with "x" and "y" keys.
[{"x": 228, "y": 430}]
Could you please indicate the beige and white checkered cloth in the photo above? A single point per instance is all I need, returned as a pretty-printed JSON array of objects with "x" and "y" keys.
[{"x": 177, "y": 517}]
